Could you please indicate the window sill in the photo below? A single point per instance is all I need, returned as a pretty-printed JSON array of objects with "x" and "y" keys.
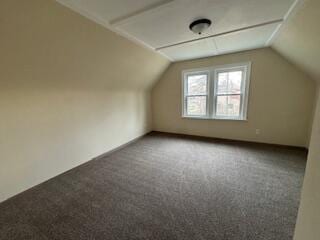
[{"x": 208, "y": 118}]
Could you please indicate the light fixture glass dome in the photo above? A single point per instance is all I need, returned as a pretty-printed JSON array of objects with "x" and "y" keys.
[{"x": 199, "y": 26}]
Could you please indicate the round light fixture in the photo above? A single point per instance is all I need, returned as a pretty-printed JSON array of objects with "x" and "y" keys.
[{"x": 200, "y": 25}]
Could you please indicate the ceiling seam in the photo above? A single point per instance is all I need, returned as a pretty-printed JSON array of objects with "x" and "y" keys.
[{"x": 290, "y": 13}]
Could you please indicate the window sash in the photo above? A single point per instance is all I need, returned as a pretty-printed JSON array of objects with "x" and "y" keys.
[
  {"x": 195, "y": 115},
  {"x": 186, "y": 94},
  {"x": 197, "y": 74},
  {"x": 228, "y": 116},
  {"x": 242, "y": 93}
]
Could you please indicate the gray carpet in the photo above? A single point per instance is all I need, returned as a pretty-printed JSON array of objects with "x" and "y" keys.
[{"x": 166, "y": 187}]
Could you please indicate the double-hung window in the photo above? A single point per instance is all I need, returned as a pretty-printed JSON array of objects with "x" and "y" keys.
[
  {"x": 217, "y": 93},
  {"x": 196, "y": 91}
]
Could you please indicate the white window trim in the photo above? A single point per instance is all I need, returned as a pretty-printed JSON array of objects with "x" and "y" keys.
[{"x": 212, "y": 73}]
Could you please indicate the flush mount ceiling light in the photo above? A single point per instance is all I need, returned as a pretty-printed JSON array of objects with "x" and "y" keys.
[{"x": 199, "y": 26}]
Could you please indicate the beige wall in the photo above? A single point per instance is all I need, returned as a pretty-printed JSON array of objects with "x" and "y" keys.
[
  {"x": 299, "y": 39},
  {"x": 70, "y": 90},
  {"x": 308, "y": 223},
  {"x": 280, "y": 101}
]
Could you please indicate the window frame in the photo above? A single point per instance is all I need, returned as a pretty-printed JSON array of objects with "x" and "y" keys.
[
  {"x": 185, "y": 92},
  {"x": 212, "y": 82}
]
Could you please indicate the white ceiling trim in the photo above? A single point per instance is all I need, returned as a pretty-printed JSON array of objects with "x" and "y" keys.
[
  {"x": 107, "y": 25},
  {"x": 291, "y": 12}
]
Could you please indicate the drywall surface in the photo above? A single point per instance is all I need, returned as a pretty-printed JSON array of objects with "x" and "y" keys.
[
  {"x": 70, "y": 90},
  {"x": 280, "y": 101},
  {"x": 308, "y": 222},
  {"x": 299, "y": 39}
]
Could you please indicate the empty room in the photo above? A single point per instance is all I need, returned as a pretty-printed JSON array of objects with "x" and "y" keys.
[{"x": 159, "y": 120}]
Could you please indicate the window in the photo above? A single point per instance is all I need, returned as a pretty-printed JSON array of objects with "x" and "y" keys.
[
  {"x": 217, "y": 93},
  {"x": 196, "y": 94}
]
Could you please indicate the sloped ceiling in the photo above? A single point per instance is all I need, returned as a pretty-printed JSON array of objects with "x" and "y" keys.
[
  {"x": 47, "y": 36},
  {"x": 299, "y": 38}
]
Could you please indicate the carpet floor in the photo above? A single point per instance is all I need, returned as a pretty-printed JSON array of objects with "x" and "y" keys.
[{"x": 166, "y": 186}]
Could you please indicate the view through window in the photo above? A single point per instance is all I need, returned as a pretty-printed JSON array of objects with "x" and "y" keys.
[
  {"x": 196, "y": 98},
  {"x": 229, "y": 94}
]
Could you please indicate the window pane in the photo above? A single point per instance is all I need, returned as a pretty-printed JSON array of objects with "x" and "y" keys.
[
  {"x": 229, "y": 82},
  {"x": 197, "y": 106},
  {"x": 197, "y": 85},
  {"x": 228, "y": 106}
]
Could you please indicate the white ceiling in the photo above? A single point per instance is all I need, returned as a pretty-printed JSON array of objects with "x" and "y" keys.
[{"x": 163, "y": 25}]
